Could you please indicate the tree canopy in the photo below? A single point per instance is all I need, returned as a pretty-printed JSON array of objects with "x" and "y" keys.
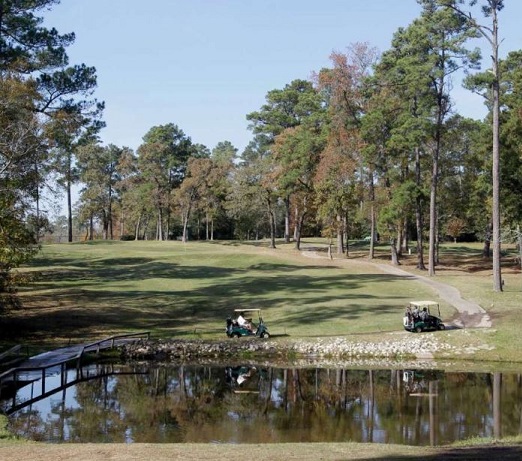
[{"x": 369, "y": 146}]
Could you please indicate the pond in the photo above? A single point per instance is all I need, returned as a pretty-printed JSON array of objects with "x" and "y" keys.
[{"x": 246, "y": 403}]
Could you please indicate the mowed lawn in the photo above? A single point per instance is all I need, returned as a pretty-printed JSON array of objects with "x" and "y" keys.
[{"x": 95, "y": 289}]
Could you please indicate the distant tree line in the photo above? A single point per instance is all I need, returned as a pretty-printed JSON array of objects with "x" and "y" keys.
[{"x": 370, "y": 146}]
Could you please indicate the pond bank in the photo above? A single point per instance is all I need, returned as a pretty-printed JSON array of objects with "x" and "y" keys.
[{"x": 398, "y": 350}]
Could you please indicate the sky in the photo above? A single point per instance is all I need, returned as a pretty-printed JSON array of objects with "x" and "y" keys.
[{"x": 205, "y": 64}]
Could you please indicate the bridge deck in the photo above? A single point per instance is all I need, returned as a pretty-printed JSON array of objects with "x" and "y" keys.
[{"x": 38, "y": 364}]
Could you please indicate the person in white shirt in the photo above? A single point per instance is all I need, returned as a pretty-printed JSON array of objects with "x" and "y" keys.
[{"x": 243, "y": 322}]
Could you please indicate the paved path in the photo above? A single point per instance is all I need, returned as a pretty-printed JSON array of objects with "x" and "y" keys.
[{"x": 471, "y": 315}]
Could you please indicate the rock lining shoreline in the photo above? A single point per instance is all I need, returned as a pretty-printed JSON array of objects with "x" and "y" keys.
[{"x": 331, "y": 350}]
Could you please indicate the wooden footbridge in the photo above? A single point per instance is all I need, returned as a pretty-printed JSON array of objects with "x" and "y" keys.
[{"x": 42, "y": 366}]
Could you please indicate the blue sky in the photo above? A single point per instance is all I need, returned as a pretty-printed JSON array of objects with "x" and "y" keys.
[{"x": 205, "y": 64}]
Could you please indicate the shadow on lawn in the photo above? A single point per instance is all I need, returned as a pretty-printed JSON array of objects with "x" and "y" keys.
[
  {"x": 479, "y": 453},
  {"x": 70, "y": 306}
]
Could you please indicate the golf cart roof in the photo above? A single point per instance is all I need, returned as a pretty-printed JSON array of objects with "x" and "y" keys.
[
  {"x": 423, "y": 303},
  {"x": 247, "y": 310}
]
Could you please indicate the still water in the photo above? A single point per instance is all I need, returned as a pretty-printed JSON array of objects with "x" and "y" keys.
[{"x": 257, "y": 404}]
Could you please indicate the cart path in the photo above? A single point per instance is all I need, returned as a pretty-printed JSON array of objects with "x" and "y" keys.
[{"x": 471, "y": 315}]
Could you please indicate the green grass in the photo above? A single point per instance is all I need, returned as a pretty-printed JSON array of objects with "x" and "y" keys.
[
  {"x": 176, "y": 289},
  {"x": 86, "y": 291},
  {"x": 5, "y": 435}
]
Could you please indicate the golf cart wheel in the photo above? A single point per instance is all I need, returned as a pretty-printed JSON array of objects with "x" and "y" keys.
[
  {"x": 236, "y": 335},
  {"x": 442, "y": 326},
  {"x": 418, "y": 330},
  {"x": 265, "y": 334}
]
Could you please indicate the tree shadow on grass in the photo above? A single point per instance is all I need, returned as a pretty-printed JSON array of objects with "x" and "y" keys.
[
  {"x": 78, "y": 297},
  {"x": 81, "y": 310},
  {"x": 479, "y": 453}
]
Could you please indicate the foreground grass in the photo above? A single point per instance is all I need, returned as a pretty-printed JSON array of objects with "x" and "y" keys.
[{"x": 226, "y": 452}]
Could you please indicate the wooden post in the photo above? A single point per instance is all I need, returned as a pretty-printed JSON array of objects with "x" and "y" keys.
[
  {"x": 63, "y": 377},
  {"x": 15, "y": 378}
]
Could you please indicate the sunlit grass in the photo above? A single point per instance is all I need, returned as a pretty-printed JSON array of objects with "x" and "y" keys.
[
  {"x": 175, "y": 289},
  {"x": 89, "y": 290}
]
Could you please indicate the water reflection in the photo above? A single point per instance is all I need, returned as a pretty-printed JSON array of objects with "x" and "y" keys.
[{"x": 258, "y": 404}]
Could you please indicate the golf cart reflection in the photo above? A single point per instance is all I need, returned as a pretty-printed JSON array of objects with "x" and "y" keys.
[
  {"x": 421, "y": 383},
  {"x": 244, "y": 379}
]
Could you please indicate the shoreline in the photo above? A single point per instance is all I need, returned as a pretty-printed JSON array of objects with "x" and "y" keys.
[{"x": 422, "y": 351}]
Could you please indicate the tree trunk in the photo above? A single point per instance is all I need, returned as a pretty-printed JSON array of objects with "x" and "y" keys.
[
  {"x": 418, "y": 214},
  {"x": 185, "y": 217},
  {"x": 122, "y": 223},
  {"x": 271, "y": 218},
  {"x": 91, "y": 227},
  {"x": 300, "y": 217},
  {"x": 486, "y": 251},
  {"x": 340, "y": 234},
  {"x": 272, "y": 229},
  {"x": 346, "y": 236},
  {"x": 434, "y": 184},
  {"x": 287, "y": 219},
  {"x": 69, "y": 213},
  {"x": 373, "y": 224},
  {"x": 394, "y": 253},
  {"x": 399, "y": 240},
  {"x": 37, "y": 199},
  {"x": 497, "y": 276},
  {"x": 371, "y": 254},
  {"x": 137, "y": 230},
  {"x": 298, "y": 228},
  {"x": 167, "y": 225},
  {"x": 296, "y": 221},
  {"x": 109, "y": 218},
  {"x": 519, "y": 247},
  {"x": 159, "y": 224}
]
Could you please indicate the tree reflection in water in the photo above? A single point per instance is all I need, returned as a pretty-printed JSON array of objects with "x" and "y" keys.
[{"x": 249, "y": 403}]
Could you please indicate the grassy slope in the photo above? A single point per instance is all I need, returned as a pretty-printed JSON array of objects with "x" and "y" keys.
[{"x": 90, "y": 290}]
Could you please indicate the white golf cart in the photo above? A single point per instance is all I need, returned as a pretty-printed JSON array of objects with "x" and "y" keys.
[{"x": 423, "y": 316}]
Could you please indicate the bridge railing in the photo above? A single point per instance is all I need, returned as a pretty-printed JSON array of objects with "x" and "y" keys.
[
  {"x": 96, "y": 346},
  {"x": 112, "y": 340}
]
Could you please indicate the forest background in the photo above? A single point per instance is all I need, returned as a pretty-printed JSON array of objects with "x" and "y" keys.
[{"x": 370, "y": 146}]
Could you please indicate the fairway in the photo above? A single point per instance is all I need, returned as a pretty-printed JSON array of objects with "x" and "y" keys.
[{"x": 90, "y": 290}]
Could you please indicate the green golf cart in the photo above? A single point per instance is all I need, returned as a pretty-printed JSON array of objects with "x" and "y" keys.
[{"x": 237, "y": 328}]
